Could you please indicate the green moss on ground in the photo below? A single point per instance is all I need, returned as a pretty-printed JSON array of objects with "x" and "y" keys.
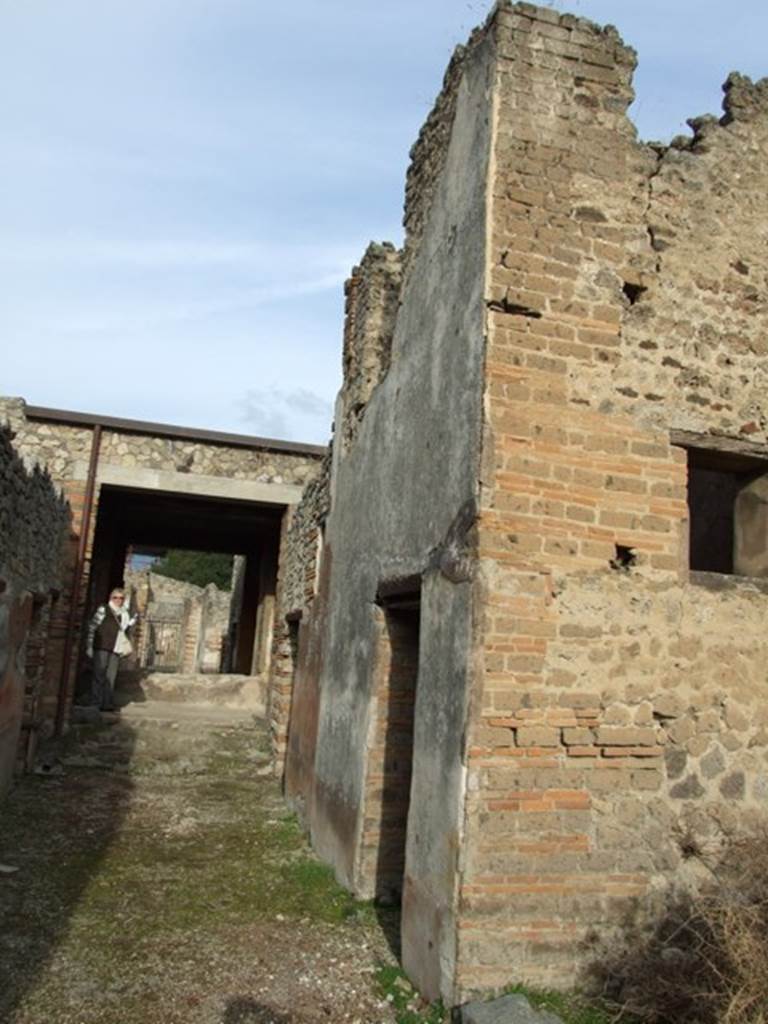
[
  {"x": 571, "y": 1007},
  {"x": 135, "y": 871},
  {"x": 395, "y": 987}
]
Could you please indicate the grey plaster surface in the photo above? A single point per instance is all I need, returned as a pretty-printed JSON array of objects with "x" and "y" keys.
[{"x": 411, "y": 476}]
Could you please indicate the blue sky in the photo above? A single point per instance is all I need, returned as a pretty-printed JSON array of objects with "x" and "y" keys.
[{"x": 188, "y": 182}]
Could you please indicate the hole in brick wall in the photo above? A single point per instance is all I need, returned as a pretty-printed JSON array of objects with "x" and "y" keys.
[
  {"x": 633, "y": 291},
  {"x": 514, "y": 309},
  {"x": 624, "y": 558}
]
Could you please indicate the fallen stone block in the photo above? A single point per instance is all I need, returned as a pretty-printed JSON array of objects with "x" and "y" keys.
[{"x": 511, "y": 1009}]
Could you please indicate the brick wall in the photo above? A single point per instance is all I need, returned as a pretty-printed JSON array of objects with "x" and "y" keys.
[{"x": 620, "y": 705}]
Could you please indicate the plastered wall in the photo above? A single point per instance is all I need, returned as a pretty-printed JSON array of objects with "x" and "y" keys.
[{"x": 581, "y": 323}]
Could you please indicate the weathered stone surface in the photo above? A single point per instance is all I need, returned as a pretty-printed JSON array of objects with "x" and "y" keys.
[
  {"x": 689, "y": 789},
  {"x": 512, "y": 1009},
  {"x": 733, "y": 786},
  {"x": 579, "y": 349},
  {"x": 676, "y": 760},
  {"x": 713, "y": 764},
  {"x": 65, "y": 449}
]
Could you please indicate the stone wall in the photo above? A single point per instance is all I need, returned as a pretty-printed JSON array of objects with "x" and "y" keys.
[
  {"x": 34, "y": 533},
  {"x": 301, "y": 550},
  {"x": 430, "y": 151},
  {"x": 372, "y": 295},
  {"x": 572, "y": 428},
  {"x": 299, "y": 576},
  {"x": 620, "y": 715},
  {"x": 65, "y": 450}
]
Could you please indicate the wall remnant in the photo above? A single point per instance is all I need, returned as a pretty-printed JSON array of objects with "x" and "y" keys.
[
  {"x": 372, "y": 293},
  {"x": 573, "y": 414},
  {"x": 181, "y": 627},
  {"x": 34, "y": 550}
]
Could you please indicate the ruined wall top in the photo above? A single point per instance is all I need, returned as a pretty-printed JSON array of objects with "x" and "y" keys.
[
  {"x": 570, "y": 37},
  {"x": 372, "y": 294}
]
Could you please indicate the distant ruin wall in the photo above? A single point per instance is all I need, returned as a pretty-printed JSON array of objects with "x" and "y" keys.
[
  {"x": 191, "y": 621},
  {"x": 131, "y": 457},
  {"x": 34, "y": 530}
]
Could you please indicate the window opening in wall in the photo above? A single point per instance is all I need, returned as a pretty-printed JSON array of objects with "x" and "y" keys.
[
  {"x": 393, "y": 741},
  {"x": 728, "y": 512}
]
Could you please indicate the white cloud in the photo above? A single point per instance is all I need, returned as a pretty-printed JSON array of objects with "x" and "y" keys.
[{"x": 276, "y": 412}]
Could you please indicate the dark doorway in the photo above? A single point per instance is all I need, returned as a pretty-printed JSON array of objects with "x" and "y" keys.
[
  {"x": 144, "y": 520},
  {"x": 393, "y": 744}
]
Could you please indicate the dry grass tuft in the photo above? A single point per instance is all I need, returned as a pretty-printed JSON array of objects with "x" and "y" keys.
[{"x": 705, "y": 961}]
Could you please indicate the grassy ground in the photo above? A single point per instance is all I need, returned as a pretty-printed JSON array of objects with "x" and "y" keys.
[
  {"x": 161, "y": 881},
  {"x": 172, "y": 886}
]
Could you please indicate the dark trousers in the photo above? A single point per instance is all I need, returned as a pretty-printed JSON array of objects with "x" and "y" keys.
[{"x": 105, "y": 664}]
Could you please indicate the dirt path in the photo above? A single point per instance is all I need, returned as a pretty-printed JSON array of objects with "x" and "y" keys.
[{"x": 161, "y": 880}]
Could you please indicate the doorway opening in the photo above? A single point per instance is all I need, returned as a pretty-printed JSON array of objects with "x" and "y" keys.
[
  {"x": 185, "y": 628},
  {"x": 390, "y": 757}
]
